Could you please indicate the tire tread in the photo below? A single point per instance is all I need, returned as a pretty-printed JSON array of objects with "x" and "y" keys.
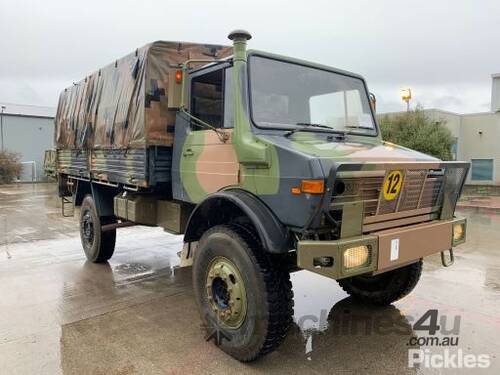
[
  {"x": 412, "y": 276},
  {"x": 278, "y": 289}
]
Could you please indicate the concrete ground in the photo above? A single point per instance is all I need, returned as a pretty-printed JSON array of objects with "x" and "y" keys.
[{"x": 137, "y": 315}]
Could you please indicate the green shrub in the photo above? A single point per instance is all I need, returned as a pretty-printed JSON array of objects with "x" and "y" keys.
[
  {"x": 10, "y": 167},
  {"x": 416, "y": 130}
]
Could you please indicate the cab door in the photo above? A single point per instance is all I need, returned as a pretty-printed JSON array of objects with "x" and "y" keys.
[{"x": 207, "y": 162}]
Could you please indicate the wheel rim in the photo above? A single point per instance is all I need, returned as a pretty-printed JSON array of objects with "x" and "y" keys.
[
  {"x": 87, "y": 228},
  {"x": 226, "y": 292}
]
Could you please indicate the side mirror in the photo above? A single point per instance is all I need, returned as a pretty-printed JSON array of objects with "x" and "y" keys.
[{"x": 373, "y": 102}]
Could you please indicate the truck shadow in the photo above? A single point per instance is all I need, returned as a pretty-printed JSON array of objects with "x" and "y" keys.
[
  {"x": 353, "y": 338},
  {"x": 126, "y": 319}
]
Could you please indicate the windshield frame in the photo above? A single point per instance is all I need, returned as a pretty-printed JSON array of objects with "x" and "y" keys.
[{"x": 372, "y": 133}]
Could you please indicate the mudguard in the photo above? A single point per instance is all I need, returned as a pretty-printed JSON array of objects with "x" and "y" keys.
[{"x": 273, "y": 235}]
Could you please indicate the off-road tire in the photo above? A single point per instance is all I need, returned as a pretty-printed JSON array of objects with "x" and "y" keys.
[
  {"x": 385, "y": 288},
  {"x": 102, "y": 245},
  {"x": 268, "y": 292}
]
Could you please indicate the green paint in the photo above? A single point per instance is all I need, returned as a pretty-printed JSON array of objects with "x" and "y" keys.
[
  {"x": 258, "y": 159},
  {"x": 259, "y": 180},
  {"x": 250, "y": 149},
  {"x": 188, "y": 173},
  {"x": 316, "y": 145}
]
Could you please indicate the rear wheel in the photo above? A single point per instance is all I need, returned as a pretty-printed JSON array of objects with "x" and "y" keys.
[
  {"x": 385, "y": 288},
  {"x": 244, "y": 294},
  {"x": 97, "y": 245}
]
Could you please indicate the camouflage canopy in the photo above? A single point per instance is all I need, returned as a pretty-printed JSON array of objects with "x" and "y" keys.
[{"x": 124, "y": 105}]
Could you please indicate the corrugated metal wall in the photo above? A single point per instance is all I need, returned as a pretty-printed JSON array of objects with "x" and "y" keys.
[{"x": 30, "y": 137}]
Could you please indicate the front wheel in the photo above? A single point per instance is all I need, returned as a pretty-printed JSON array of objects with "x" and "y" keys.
[
  {"x": 385, "y": 288},
  {"x": 244, "y": 294},
  {"x": 97, "y": 245}
]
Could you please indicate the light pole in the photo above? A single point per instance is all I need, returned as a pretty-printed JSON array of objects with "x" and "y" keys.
[
  {"x": 1, "y": 125},
  {"x": 406, "y": 96}
]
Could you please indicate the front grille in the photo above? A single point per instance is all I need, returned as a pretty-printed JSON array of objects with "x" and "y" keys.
[{"x": 422, "y": 189}]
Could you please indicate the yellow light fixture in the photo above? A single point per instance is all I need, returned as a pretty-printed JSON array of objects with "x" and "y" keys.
[
  {"x": 458, "y": 232},
  {"x": 355, "y": 257},
  {"x": 406, "y": 95}
]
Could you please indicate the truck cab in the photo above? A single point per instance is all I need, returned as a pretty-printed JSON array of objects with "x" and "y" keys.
[{"x": 302, "y": 138}]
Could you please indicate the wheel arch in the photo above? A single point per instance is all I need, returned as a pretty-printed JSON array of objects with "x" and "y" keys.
[{"x": 235, "y": 205}]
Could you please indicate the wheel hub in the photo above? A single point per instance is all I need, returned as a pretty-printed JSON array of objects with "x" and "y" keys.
[
  {"x": 87, "y": 228},
  {"x": 226, "y": 292}
]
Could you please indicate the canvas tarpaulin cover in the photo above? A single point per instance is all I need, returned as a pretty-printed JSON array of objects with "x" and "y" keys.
[{"x": 124, "y": 105}]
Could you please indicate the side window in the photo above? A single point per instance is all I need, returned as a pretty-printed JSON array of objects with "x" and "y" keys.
[
  {"x": 211, "y": 99},
  {"x": 207, "y": 99}
]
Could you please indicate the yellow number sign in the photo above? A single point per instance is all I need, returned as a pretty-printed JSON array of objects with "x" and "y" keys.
[{"x": 392, "y": 185}]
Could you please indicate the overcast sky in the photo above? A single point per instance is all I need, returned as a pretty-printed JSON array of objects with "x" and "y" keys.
[{"x": 445, "y": 51}]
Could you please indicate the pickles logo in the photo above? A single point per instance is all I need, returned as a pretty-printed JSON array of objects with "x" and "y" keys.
[{"x": 392, "y": 185}]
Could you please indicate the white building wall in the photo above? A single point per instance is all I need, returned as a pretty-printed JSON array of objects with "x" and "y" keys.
[{"x": 480, "y": 139}]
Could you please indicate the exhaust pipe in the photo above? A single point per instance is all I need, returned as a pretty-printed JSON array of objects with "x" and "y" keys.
[{"x": 239, "y": 38}]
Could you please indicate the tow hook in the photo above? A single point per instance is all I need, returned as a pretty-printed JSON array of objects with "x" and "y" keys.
[{"x": 444, "y": 261}]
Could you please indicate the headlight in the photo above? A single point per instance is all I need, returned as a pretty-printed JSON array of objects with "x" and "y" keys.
[
  {"x": 356, "y": 257},
  {"x": 458, "y": 232}
]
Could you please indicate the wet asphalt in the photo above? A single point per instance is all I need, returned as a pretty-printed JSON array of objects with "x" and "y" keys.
[{"x": 137, "y": 315}]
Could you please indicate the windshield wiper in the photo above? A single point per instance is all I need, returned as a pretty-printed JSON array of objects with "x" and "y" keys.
[
  {"x": 305, "y": 125},
  {"x": 314, "y": 125}
]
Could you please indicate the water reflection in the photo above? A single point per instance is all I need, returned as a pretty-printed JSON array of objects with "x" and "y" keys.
[{"x": 351, "y": 331}]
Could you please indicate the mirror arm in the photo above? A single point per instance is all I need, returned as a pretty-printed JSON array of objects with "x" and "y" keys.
[{"x": 223, "y": 136}]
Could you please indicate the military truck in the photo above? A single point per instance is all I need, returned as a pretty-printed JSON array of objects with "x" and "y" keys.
[{"x": 267, "y": 164}]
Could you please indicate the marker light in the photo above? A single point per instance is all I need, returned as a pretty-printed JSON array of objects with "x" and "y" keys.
[
  {"x": 356, "y": 257},
  {"x": 178, "y": 76},
  {"x": 312, "y": 186}
]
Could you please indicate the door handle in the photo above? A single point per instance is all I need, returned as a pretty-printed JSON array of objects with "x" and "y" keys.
[{"x": 188, "y": 152}]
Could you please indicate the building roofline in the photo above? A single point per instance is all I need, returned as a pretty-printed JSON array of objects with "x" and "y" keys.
[
  {"x": 24, "y": 115},
  {"x": 480, "y": 113},
  {"x": 444, "y": 111},
  {"x": 28, "y": 110}
]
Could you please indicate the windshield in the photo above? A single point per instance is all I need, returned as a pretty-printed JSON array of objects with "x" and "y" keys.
[{"x": 287, "y": 95}]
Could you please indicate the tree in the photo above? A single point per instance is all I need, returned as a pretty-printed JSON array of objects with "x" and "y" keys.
[
  {"x": 416, "y": 130},
  {"x": 10, "y": 167}
]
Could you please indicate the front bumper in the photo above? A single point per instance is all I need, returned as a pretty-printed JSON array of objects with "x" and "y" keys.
[{"x": 387, "y": 249}]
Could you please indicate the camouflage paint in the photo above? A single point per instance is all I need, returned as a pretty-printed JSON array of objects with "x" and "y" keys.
[
  {"x": 189, "y": 178},
  {"x": 94, "y": 143},
  {"x": 259, "y": 160},
  {"x": 112, "y": 123},
  {"x": 212, "y": 166},
  {"x": 253, "y": 165}
]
